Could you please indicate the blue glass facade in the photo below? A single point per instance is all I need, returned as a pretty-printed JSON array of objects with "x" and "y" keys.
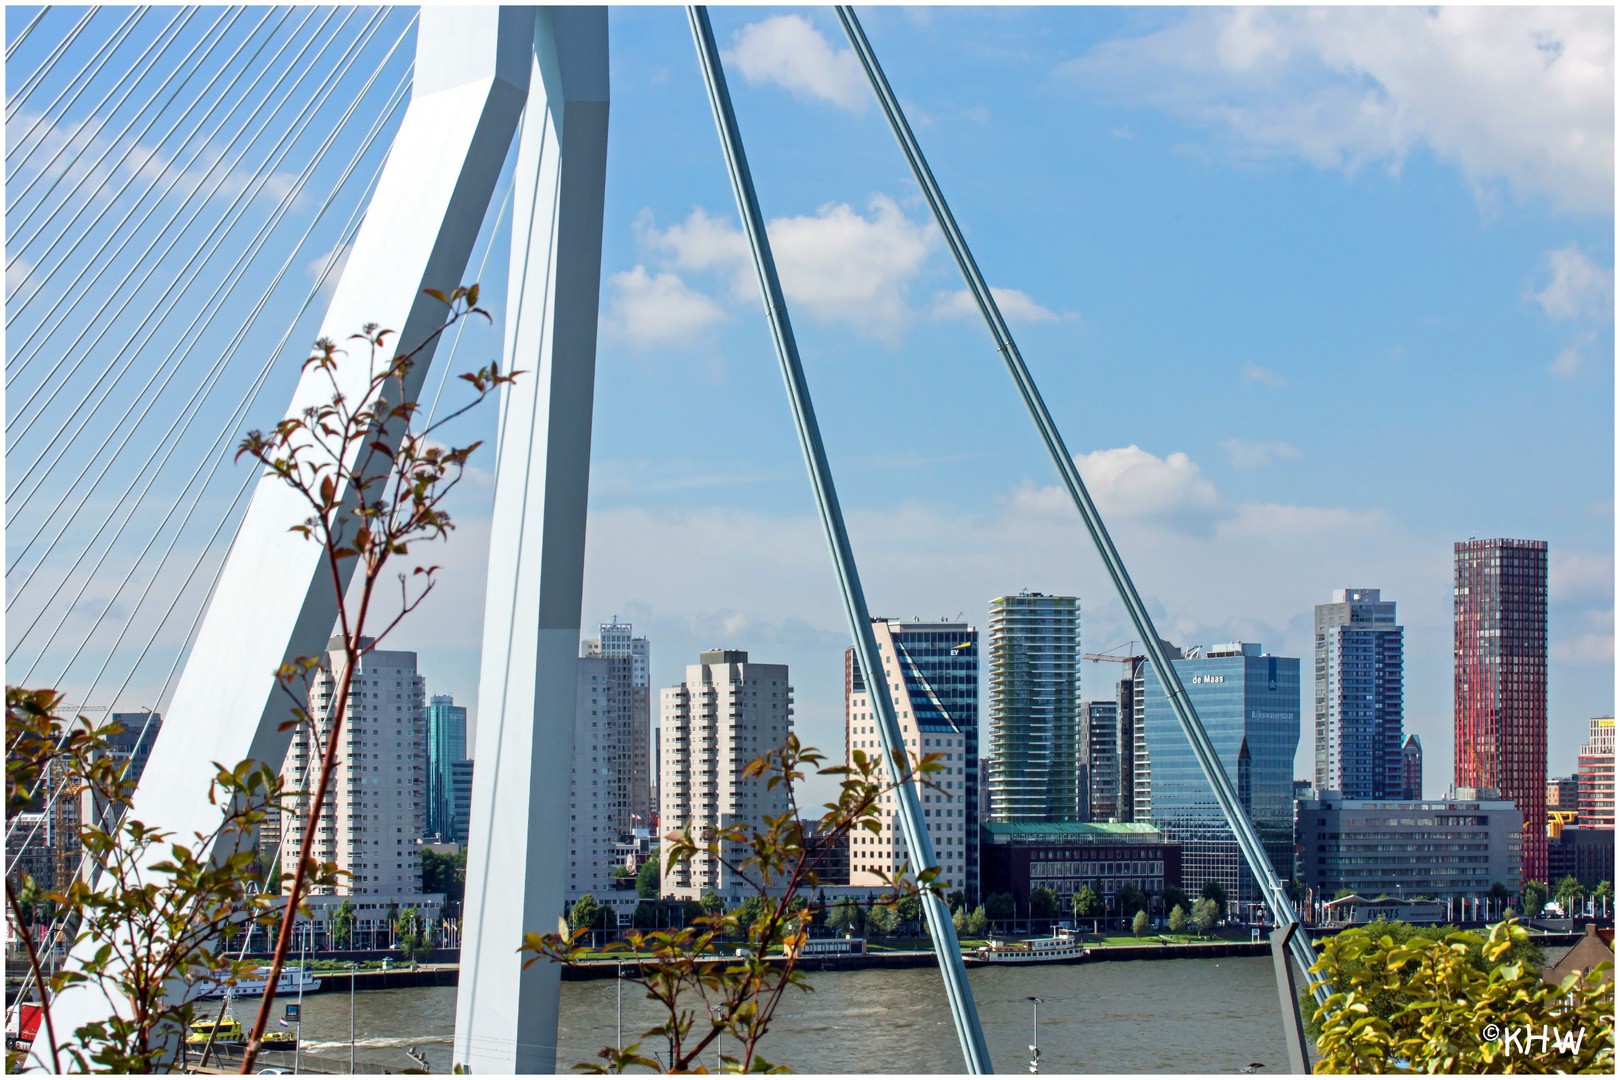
[
  {"x": 447, "y": 744},
  {"x": 1250, "y": 706}
]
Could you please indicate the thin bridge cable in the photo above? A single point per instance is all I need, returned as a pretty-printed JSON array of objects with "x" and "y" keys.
[
  {"x": 460, "y": 324},
  {"x": 965, "y": 1014},
  {"x": 220, "y": 448},
  {"x": 22, "y": 35},
  {"x": 209, "y": 307},
  {"x": 75, "y": 87},
  {"x": 176, "y": 173},
  {"x": 183, "y": 71},
  {"x": 104, "y": 206},
  {"x": 1215, "y": 774},
  {"x": 48, "y": 64},
  {"x": 237, "y": 207},
  {"x": 102, "y": 115}
]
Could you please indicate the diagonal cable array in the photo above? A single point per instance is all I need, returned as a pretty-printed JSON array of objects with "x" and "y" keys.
[{"x": 182, "y": 185}]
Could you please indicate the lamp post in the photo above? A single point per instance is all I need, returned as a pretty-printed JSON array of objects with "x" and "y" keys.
[
  {"x": 353, "y": 972},
  {"x": 1035, "y": 1035}
]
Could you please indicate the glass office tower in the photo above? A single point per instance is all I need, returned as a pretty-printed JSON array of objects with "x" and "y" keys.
[
  {"x": 447, "y": 744},
  {"x": 1035, "y": 709}
]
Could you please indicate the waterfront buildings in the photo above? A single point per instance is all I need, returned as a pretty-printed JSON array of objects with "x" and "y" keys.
[
  {"x": 931, "y": 674},
  {"x": 1067, "y": 856},
  {"x": 1100, "y": 765},
  {"x": 1586, "y": 854},
  {"x": 1358, "y": 696},
  {"x": 725, "y": 714},
  {"x": 598, "y": 799},
  {"x": 1596, "y": 773},
  {"x": 447, "y": 744},
  {"x": 1454, "y": 848},
  {"x": 1035, "y": 708},
  {"x": 376, "y": 810},
  {"x": 1563, "y": 794},
  {"x": 828, "y": 854},
  {"x": 631, "y": 682},
  {"x": 1412, "y": 768},
  {"x": 1249, "y": 704},
  {"x": 1501, "y": 680},
  {"x": 461, "y": 778}
]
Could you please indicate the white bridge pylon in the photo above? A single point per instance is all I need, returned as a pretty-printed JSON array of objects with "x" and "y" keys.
[{"x": 479, "y": 71}]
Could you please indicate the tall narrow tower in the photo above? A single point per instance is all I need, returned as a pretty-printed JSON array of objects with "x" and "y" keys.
[
  {"x": 1358, "y": 696},
  {"x": 1501, "y": 680},
  {"x": 1035, "y": 708}
]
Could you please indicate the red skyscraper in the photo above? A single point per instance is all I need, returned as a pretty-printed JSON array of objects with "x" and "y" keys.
[{"x": 1501, "y": 680}]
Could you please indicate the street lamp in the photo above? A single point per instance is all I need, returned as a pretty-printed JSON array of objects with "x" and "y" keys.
[
  {"x": 1035, "y": 1035},
  {"x": 353, "y": 970}
]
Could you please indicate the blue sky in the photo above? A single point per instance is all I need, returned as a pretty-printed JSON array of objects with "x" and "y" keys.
[{"x": 1312, "y": 295}]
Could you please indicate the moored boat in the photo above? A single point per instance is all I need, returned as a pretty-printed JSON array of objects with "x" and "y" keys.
[
  {"x": 1063, "y": 945},
  {"x": 293, "y": 980},
  {"x": 231, "y": 1035}
]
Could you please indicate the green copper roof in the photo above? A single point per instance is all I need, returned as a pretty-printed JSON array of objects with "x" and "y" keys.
[{"x": 1077, "y": 829}]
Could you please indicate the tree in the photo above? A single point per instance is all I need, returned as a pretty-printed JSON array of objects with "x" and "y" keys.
[
  {"x": 1535, "y": 898},
  {"x": 748, "y": 913},
  {"x": 978, "y": 923},
  {"x": 909, "y": 908},
  {"x": 1214, "y": 890},
  {"x": 648, "y": 879},
  {"x": 1178, "y": 920},
  {"x": 1139, "y": 925},
  {"x": 585, "y": 914},
  {"x": 956, "y": 900},
  {"x": 959, "y": 921},
  {"x": 1295, "y": 890},
  {"x": 1498, "y": 896},
  {"x": 845, "y": 917},
  {"x": 712, "y": 904},
  {"x": 1129, "y": 900},
  {"x": 1175, "y": 896},
  {"x": 445, "y": 874},
  {"x": 691, "y": 912},
  {"x": 1444, "y": 1014},
  {"x": 1604, "y": 894},
  {"x": 998, "y": 907},
  {"x": 882, "y": 920},
  {"x": 1043, "y": 904},
  {"x": 1087, "y": 903},
  {"x": 1204, "y": 917},
  {"x": 645, "y": 917},
  {"x": 412, "y": 936},
  {"x": 1569, "y": 893},
  {"x": 343, "y": 925}
]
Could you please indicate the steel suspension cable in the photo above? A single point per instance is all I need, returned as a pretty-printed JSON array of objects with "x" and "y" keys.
[
  {"x": 211, "y": 310},
  {"x": 455, "y": 342},
  {"x": 77, "y": 85},
  {"x": 103, "y": 116},
  {"x": 975, "y": 1051},
  {"x": 182, "y": 71},
  {"x": 48, "y": 65},
  {"x": 112, "y": 197},
  {"x": 1249, "y": 843},
  {"x": 125, "y": 237},
  {"x": 220, "y": 446},
  {"x": 22, "y": 35},
  {"x": 237, "y": 206}
]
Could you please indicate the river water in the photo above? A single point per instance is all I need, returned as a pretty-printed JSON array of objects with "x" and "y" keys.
[{"x": 1192, "y": 1016}]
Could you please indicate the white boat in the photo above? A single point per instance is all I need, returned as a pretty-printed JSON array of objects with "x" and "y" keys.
[
  {"x": 1063, "y": 945},
  {"x": 293, "y": 980}
]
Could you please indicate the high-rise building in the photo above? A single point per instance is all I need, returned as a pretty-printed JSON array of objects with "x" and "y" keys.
[
  {"x": 134, "y": 743},
  {"x": 447, "y": 744},
  {"x": 377, "y": 804},
  {"x": 932, "y": 674},
  {"x": 1358, "y": 696},
  {"x": 1128, "y": 738},
  {"x": 631, "y": 676},
  {"x": 1035, "y": 709},
  {"x": 1596, "y": 763},
  {"x": 725, "y": 714},
  {"x": 1501, "y": 680},
  {"x": 1100, "y": 761},
  {"x": 1412, "y": 768},
  {"x": 461, "y": 777},
  {"x": 598, "y": 813},
  {"x": 1249, "y": 703},
  {"x": 1564, "y": 793}
]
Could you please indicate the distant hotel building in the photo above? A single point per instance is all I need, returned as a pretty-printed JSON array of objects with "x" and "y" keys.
[
  {"x": 1596, "y": 773},
  {"x": 1501, "y": 680},
  {"x": 631, "y": 682},
  {"x": 725, "y": 714},
  {"x": 1249, "y": 704},
  {"x": 1035, "y": 709},
  {"x": 447, "y": 744},
  {"x": 1454, "y": 848},
  {"x": 932, "y": 674},
  {"x": 1359, "y": 651},
  {"x": 380, "y": 784}
]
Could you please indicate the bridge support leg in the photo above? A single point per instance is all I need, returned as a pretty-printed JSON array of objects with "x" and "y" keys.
[
  {"x": 517, "y": 852},
  {"x": 1299, "y": 1061}
]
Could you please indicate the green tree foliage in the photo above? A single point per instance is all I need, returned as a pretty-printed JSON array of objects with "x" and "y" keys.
[
  {"x": 1129, "y": 900},
  {"x": 845, "y": 917},
  {"x": 343, "y": 925},
  {"x": 1178, "y": 920},
  {"x": 1214, "y": 890},
  {"x": 1295, "y": 889},
  {"x": 1088, "y": 903},
  {"x": 882, "y": 920},
  {"x": 1569, "y": 892},
  {"x": 585, "y": 914},
  {"x": 1043, "y": 904},
  {"x": 1425, "y": 1006},
  {"x": 413, "y": 936},
  {"x": 1175, "y": 896},
  {"x": 1204, "y": 916},
  {"x": 1604, "y": 895},
  {"x": 445, "y": 874},
  {"x": 748, "y": 912},
  {"x": 648, "y": 878},
  {"x": 1535, "y": 898},
  {"x": 999, "y": 906},
  {"x": 978, "y": 923},
  {"x": 645, "y": 917},
  {"x": 712, "y": 904},
  {"x": 691, "y": 912},
  {"x": 909, "y": 908},
  {"x": 956, "y": 900},
  {"x": 1139, "y": 925},
  {"x": 959, "y": 921},
  {"x": 1499, "y": 896}
]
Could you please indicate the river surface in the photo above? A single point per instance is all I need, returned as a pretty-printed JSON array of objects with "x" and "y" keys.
[{"x": 1184, "y": 1016}]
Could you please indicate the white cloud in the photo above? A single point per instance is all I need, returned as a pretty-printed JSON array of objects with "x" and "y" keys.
[
  {"x": 1523, "y": 95},
  {"x": 1579, "y": 289},
  {"x": 704, "y": 242},
  {"x": 1580, "y": 576},
  {"x": 1252, "y": 455},
  {"x": 1015, "y": 304},
  {"x": 1263, "y": 375},
  {"x": 788, "y": 51},
  {"x": 1132, "y": 483},
  {"x": 656, "y": 308}
]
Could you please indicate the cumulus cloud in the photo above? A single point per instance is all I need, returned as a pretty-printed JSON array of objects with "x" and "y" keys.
[
  {"x": 1521, "y": 95},
  {"x": 1252, "y": 455},
  {"x": 788, "y": 51},
  {"x": 1579, "y": 288},
  {"x": 655, "y": 308},
  {"x": 1580, "y": 576},
  {"x": 1015, "y": 304},
  {"x": 1130, "y": 482}
]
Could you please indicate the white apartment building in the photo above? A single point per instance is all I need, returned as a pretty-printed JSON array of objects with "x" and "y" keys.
[
  {"x": 376, "y": 808},
  {"x": 630, "y": 678},
  {"x": 931, "y": 674},
  {"x": 598, "y": 788},
  {"x": 727, "y": 713}
]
